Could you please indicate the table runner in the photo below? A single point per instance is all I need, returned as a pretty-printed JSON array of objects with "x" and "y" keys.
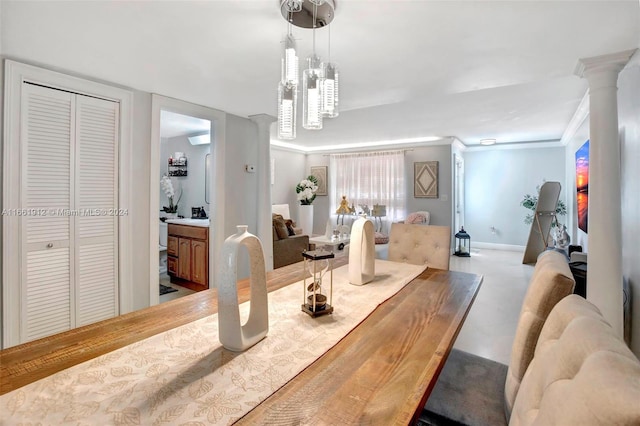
[{"x": 185, "y": 377}]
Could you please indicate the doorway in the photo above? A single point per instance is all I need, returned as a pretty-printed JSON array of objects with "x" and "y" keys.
[
  {"x": 184, "y": 149},
  {"x": 173, "y": 123}
]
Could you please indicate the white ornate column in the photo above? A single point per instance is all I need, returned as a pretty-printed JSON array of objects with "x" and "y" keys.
[
  {"x": 264, "y": 185},
  {"x": 604, "y": 267}
]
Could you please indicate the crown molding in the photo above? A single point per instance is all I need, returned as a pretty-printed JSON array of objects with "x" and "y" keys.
[{"x": 581, "y": 114}]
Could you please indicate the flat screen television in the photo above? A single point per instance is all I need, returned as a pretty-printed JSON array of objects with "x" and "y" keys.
[{"x": 582, "y": 185}]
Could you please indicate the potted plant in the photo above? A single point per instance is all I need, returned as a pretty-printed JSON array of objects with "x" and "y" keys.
[
  {"x": 167, "y": 187},
  {"x": 306, "y": 191}
]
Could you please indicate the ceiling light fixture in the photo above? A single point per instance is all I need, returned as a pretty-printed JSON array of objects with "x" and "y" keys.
[
  {"x": 319, "y": 80},
  {"x": 487, "y": 142}
]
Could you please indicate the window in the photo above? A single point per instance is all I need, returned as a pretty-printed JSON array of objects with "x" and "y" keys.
[{"x": 370, "y": 178}]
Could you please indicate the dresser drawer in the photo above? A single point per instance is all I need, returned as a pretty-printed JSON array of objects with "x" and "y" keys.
[{"x": 172, "y": 246}]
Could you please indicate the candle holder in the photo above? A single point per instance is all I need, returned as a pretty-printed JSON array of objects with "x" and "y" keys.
[{"x": 316, "y": 302}]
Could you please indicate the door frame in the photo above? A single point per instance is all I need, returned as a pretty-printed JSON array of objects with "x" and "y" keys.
[
  {"x": 15, "y": 74},
  {"x": 217, "y": 119}
]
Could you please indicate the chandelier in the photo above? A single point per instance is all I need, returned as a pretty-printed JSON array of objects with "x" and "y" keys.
[{"x": 319, "y": 79}]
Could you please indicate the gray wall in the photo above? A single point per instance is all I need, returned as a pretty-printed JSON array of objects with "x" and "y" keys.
[
  {"x": 440, "y": 208},
  {"x": 496, "y": 180},
  {"x": 629, "y": 113}
]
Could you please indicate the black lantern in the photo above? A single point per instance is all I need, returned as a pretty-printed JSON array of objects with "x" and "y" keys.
[{"x": 463, "y": 243}]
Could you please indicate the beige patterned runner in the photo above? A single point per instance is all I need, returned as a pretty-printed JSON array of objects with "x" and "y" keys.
[{"x": 185, "y": 377}]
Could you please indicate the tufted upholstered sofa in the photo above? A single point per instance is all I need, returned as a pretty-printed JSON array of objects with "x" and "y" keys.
[
  {"x": 582, "y": 373},
  {"x": 478, "y": 391},
  {"x": 420, "y": 245}
]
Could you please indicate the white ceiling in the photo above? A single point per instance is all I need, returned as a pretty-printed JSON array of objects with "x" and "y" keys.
[{"x": 409, "y": 69}]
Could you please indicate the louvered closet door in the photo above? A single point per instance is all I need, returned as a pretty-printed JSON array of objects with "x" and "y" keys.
[
  {"x": 96, "y": 202},
  {"x": 46, "y": 155},
  {"x": 69, "y": 274}
]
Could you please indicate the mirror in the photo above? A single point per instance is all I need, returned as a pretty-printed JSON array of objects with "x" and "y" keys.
[{"x": 207, "y": 173}]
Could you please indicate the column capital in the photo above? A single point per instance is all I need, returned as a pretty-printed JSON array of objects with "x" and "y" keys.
[
  {"x": 262, "y": 118},
  {"x": 605, "y": 65}
]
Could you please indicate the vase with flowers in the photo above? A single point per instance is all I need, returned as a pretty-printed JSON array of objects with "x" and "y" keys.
[
  {"x": 167, "y": 186},
  {"x": 306, "y": 191}
]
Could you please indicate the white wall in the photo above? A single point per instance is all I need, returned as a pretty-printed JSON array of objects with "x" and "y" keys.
[
  {"x": 496, "y": 180},
  {"x": 139, "y": 192},
  {"x": 629, "y": 122},
  {"x": 289, "y": 170}
]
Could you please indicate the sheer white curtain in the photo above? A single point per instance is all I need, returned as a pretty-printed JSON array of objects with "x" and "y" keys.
[{"x": 369, "y": 178}]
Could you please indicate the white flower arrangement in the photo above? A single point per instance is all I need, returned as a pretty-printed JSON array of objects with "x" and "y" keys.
[
  {"x": 306, "y": 190},
  {"x": 167, "y": 187}
]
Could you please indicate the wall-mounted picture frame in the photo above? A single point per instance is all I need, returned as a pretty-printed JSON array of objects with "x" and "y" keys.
[
  {"x": 320, "y": 173},
  {"x": 425, "y": 179}
]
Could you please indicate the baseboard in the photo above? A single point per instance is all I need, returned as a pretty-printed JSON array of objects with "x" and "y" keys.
[{"x": 494, "y": 246}]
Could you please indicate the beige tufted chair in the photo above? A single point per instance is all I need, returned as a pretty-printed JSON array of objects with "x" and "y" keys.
[
  {"x": 420, "y": 245},
  {"x": 464, "y": 396},
  {"x": 582, "y": 373}
]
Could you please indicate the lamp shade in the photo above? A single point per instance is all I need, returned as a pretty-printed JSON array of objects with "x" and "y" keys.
[
  {"x": 289, "y": 66},
  {"x": 312, "y": 95},
  {"x": 330, "y": 90},
  {"x": 287, "y": 107}
]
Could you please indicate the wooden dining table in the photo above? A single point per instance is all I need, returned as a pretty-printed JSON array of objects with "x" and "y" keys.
[{"x": 382, "y": 372}]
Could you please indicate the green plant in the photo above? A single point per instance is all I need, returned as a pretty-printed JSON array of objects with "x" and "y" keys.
[{"x": 531, "y": 201}]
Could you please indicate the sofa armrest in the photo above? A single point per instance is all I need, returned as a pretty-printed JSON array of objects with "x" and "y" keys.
[{"x": 289, "y": 250}]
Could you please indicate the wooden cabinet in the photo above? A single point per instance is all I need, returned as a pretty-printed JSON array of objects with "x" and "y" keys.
[
  {"x": 188, "y": 256},
  {"x": 199, "y": 261}
]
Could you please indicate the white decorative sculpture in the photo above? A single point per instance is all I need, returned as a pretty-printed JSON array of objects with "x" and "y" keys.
[
  {"x": 362, "y": 252},
  {"x": 234, "y": 336}
]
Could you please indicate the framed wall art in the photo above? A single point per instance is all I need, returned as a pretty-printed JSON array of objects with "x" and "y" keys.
[
  {"x": 425, "y": 179},
  {"x": 320, "y": 173}
]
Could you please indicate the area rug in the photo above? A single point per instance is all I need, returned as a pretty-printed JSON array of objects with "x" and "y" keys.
[{"x": 165, "y": 289}]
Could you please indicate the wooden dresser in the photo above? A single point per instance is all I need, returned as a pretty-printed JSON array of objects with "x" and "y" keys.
[{"x": 188, "y": 256}]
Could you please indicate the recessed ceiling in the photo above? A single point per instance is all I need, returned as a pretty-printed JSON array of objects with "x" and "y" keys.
[{"x": 408, "y": 69}]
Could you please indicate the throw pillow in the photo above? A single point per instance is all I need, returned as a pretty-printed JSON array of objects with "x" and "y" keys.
[
  {"x": 281, "y": 228},
  {"x": 290, "y": 224},
  {"x": 416, "y": 218},
  {"x": 380, "y": 238}
]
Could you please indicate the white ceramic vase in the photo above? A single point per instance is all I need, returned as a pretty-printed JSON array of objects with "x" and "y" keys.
[
  {"x": 305, "y": 218},
  {"x": 362, "y": 252},
  {"x": 233, "y": 335}
]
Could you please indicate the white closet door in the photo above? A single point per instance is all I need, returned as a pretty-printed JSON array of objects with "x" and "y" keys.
[
  {"x": 96, "y": 202},
  {"x": 46, "y": 158}
]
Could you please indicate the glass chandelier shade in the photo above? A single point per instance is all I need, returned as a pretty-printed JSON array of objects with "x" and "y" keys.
[
  {"x": 330, "y": 86},
  {"x": 287, "y": 108},
  {"x": 289, "y": 65},
  {"x": 312, "y": 95}
]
